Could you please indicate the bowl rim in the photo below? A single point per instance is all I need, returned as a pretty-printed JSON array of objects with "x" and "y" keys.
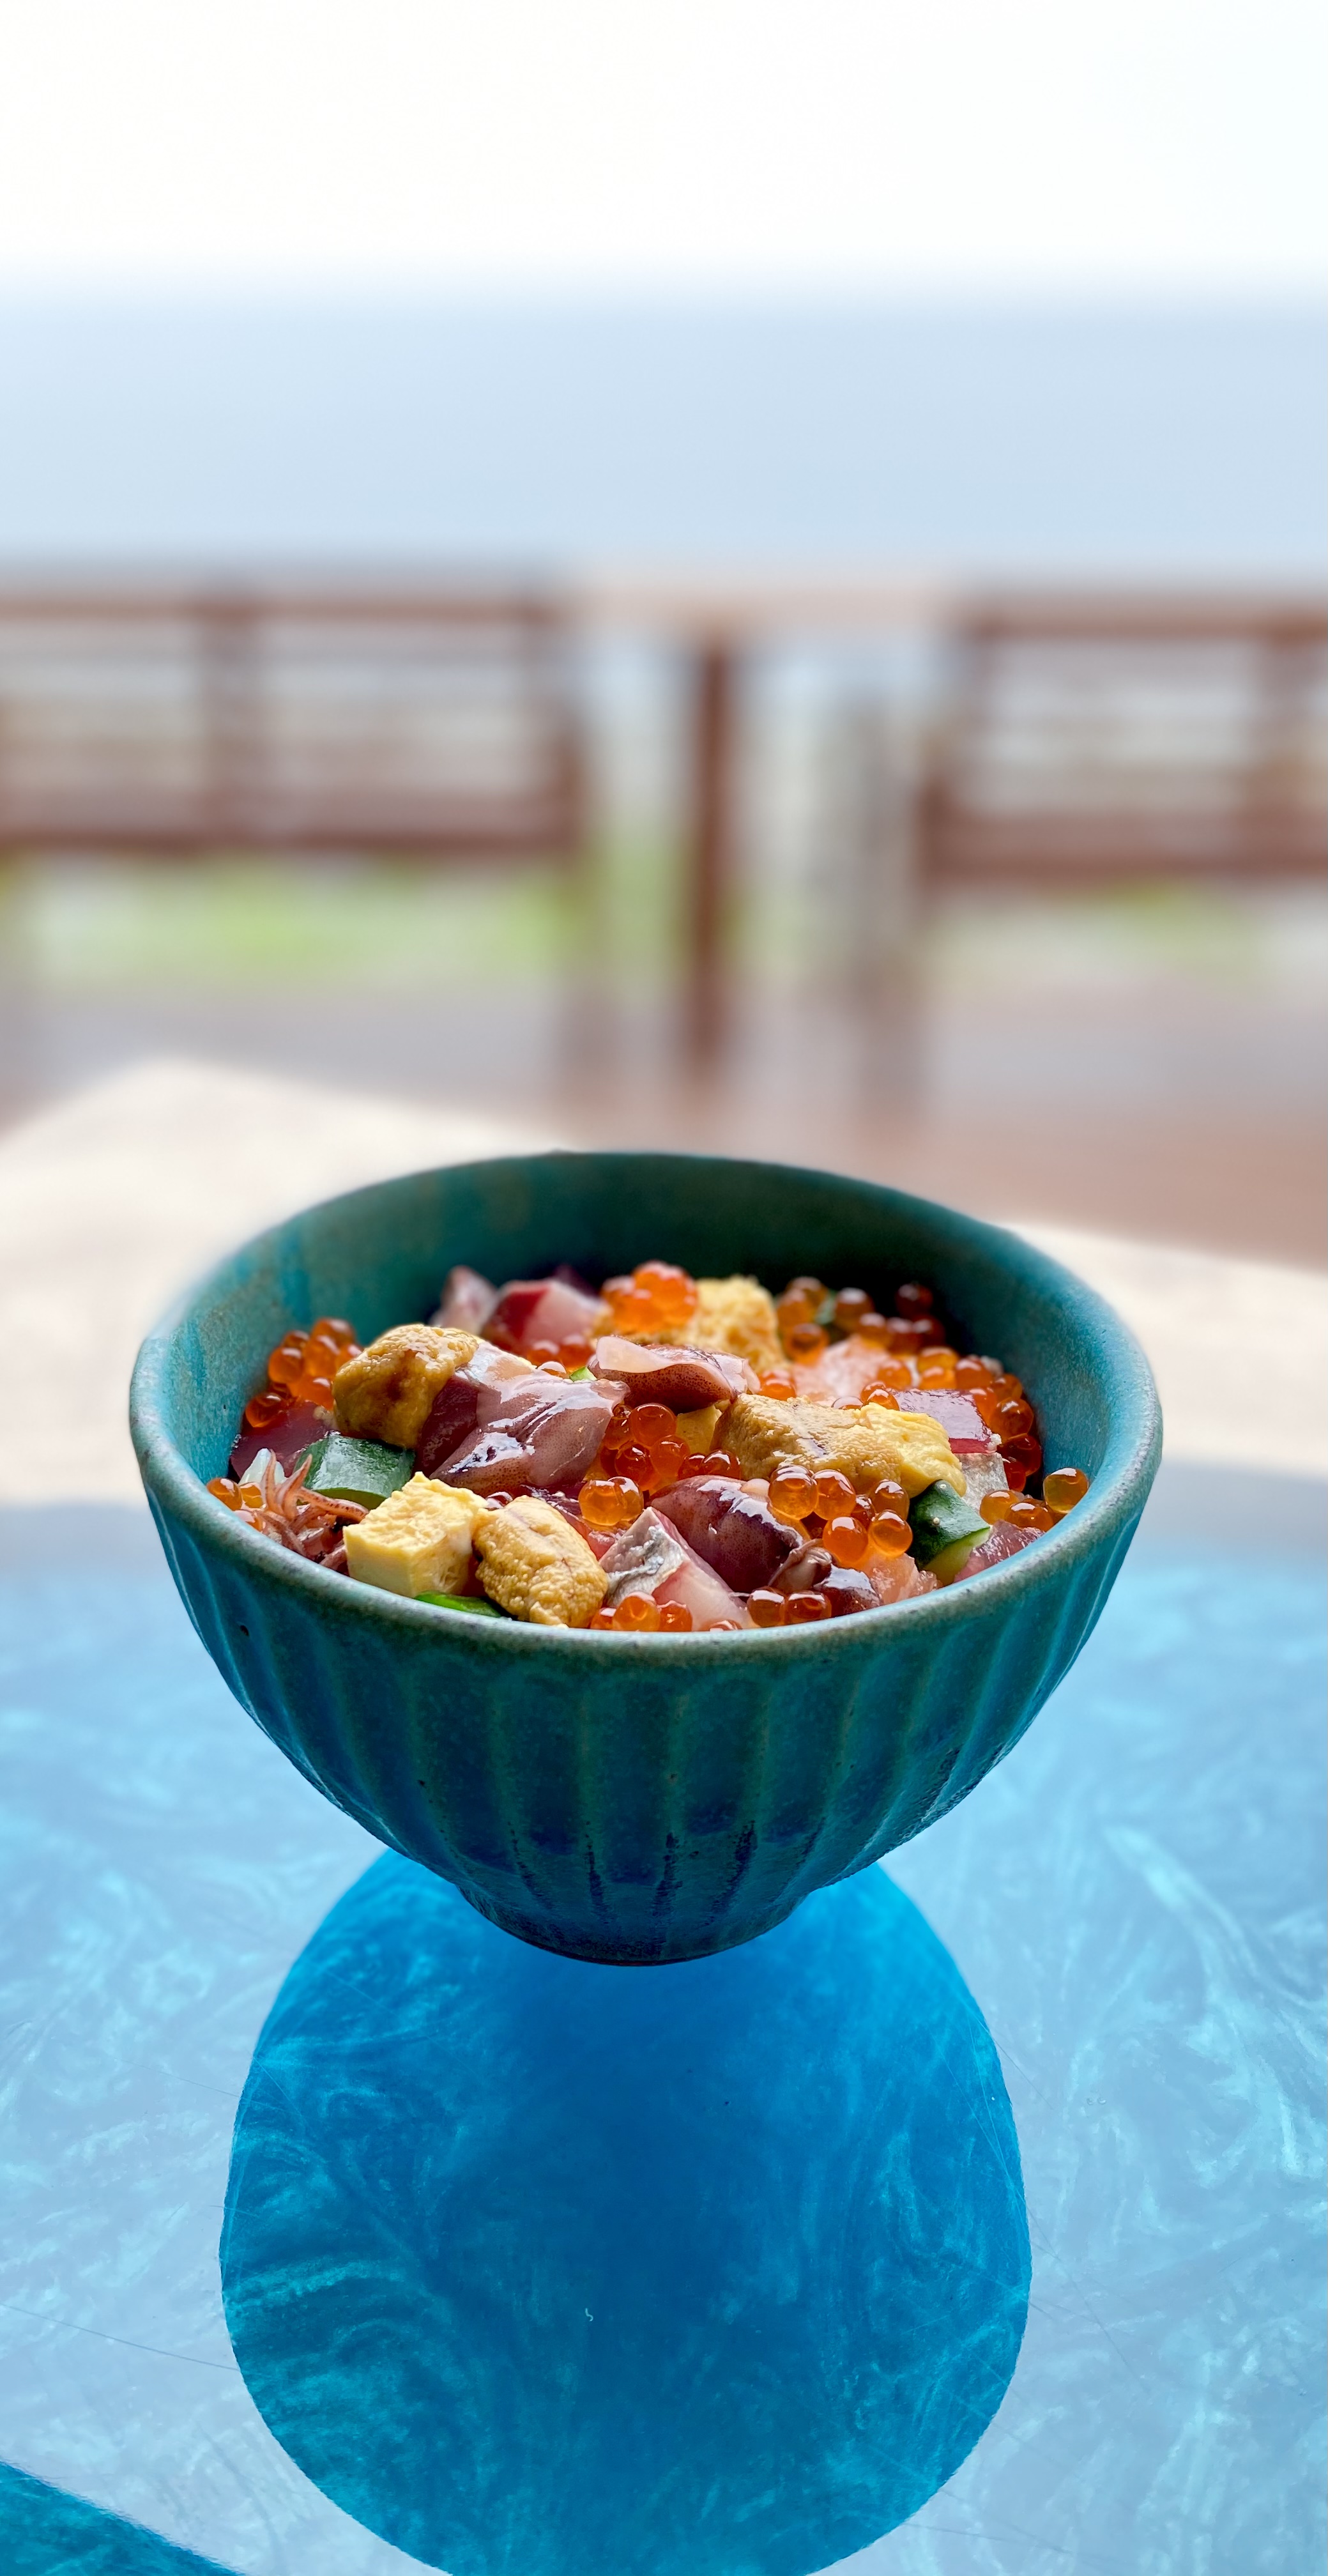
[{"x": 1116, "y": 1495}]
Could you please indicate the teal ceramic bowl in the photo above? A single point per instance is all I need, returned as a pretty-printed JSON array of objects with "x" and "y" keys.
[{"x": 638, "y": 1798}]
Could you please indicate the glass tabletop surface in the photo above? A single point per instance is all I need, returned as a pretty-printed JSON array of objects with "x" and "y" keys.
[{"x": 1126, "y": 1917}]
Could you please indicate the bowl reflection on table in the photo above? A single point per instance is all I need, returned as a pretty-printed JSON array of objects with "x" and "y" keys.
[
  {"x": 719, "y": 2276},
  {"x": 638, "y": 1799}
]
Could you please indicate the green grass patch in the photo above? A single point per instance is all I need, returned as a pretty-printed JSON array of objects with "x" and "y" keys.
[{"x": 83, "y": 926}]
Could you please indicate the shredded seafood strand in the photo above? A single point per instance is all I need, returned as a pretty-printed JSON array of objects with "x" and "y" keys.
[{"x": 309, "y": 1524}]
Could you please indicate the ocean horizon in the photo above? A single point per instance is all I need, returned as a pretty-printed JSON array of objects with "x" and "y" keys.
[{"x": 1182, "y": 440}]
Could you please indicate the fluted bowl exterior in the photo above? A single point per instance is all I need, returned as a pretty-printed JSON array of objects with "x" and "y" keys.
[{"x": 638, "y": 1799}]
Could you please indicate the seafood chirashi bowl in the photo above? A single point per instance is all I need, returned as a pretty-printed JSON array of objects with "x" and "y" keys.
[{"x": 642, "y": 1541}]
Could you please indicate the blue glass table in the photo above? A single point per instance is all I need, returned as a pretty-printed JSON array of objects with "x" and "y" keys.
[{"x": 528, "y": 2265}]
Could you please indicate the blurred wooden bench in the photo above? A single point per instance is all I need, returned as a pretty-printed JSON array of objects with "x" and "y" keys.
[
  {"x": 1082, "y": 740},
  {"x": 438, "y": 724}
]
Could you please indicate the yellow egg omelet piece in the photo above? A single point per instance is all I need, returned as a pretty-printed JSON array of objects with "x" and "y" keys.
[
  {"x": 864, "y": 1441},
  {"x": 419, "y": 1540},
  {"x": 698, "y": 1429}
]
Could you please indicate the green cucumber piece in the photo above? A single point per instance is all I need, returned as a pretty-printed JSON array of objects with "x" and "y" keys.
[
  {"x": 358, "y": 1471},
  {"x": 458, "y": 1601},
  {"x": 945, "y": 1529}
]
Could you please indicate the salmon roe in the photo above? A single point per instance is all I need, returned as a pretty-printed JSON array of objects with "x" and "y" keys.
[
  {"x": 847, "y": 1540},
  {"x": 610, "y": 1502},
  {"x": 657, "y": 1297},
  {"x": 792, "y": 1493},
  {"x": 637, "y": 1613},
  {"x": 890, "y": 1534}
]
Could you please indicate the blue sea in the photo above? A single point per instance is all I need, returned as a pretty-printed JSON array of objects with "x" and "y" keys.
[{"x": 1186, "y": 440}]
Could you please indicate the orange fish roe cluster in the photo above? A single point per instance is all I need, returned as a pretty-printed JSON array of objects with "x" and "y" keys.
[
  {"x": 656, "y": 1297},
  {"x": 792, "y": 1610},
  {"x": 636, "y": 1615},
  {"x": 1020, "y": 1510},
  {"x": 301, "y": 1370},
  {"x": 644, "y": 1447},
  {"x": 643, "y": 1442},
  {"x": 810, "y": 1313},
  {"x": 1002, "y": 1405},
  {"x": 853, "y": 1527},
  {"x": 610, "y": 1502}
]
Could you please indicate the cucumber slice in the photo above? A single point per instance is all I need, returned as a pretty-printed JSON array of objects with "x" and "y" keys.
[
  {"x": 945, "y": 1529},
  {"x": 457, "y": 1601},
  {"x": 358, "y": 1471}
]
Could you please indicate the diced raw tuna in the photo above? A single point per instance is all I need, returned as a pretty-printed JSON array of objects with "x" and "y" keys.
[
  {"x": 543, "y": 1310},
  {"x": 287, "y": 1438},
  {"x": 957, "y": 1415},
  {"x": 1003, "y": 1542},
  {"x": 512, "y": 1311},
  {"x": 900, "y": 1578},
  {"x": 734, "y": 1531},
  {"x": 682, "y": 1378},
  {"x": 467, "y": 1300},
  {"x": 489, "y": 1367},
  {"x": 450, "y": 1420},
  {"x": 842, "y": 1373}
]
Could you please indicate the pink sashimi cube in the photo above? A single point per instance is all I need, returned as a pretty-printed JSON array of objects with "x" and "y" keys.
[
  {"x": 842, "y": 1373},
  {"x": 1003, "y": 1542},
  {"x": 957, "y": 1415},
  {"x": 695, "y": 1586},
  {"x": 654, "y": 1558},
  {"x": 900, "y": 1578},
  {"x": 543, "y": 1310},
  {"x": 467, "y": 1300}
]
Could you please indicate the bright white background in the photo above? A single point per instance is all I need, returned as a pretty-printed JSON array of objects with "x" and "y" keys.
[{"x": 1119, "y": 143}]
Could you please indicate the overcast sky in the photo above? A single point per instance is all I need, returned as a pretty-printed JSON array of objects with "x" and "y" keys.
[{"x": 689, "y": 143}]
